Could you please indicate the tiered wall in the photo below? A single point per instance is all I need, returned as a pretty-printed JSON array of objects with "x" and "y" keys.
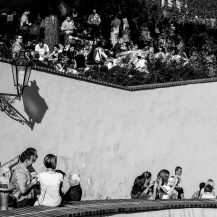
[{"x": 110, "y": 135}]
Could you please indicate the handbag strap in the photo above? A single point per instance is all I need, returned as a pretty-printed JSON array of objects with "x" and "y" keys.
[{"x": 41, "y": 201}]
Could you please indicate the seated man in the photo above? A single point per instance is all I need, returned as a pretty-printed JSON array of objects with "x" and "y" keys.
[
  {"x": 23, "y": 180},
  {"x": 75, "y": 192},
  {"x": 43, "y": 50},
  {"x": 17, "y": 46},
  {"x": 68, "y": 26}
]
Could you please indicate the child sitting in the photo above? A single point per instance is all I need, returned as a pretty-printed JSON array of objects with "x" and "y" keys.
[
  {"x": 75, "y": 192},
  {"x": 212, "y": 184},
  {"x": 169, "y": 189},
  {"x": 208, "y": 192}
]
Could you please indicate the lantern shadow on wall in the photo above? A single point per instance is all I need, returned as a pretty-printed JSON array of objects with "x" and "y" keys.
[{"x": 34, "y": 105}]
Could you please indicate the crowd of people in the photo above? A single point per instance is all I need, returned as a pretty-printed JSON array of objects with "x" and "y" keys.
[
  {"x": 168, "y": 187},
  {"x": 46, "y": 188},
  {"x": 135, "y": 52}
]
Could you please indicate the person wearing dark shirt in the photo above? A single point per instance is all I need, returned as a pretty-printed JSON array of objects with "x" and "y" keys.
[
  {"x": 71, "y": 54},
  {"x": 118, "y": 47},
  {"x": 141, "y": 186},
  {"x": 80, "y": 60},
  {"x": 75, "y": 191},
  {"x": 158, "y": 190}
]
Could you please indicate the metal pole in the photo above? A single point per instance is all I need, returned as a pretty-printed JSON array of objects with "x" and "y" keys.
[{"x": 3, "y": 200}]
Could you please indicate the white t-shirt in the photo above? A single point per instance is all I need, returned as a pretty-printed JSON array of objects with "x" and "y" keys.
[
  {"x": 165, "y": 196},
  {"x": 50, "y": 189},
  {"x": 42, "y": 51},
  {"x": 207, "y": 195}
]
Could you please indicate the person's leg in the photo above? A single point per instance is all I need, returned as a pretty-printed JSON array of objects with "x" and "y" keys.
[
  {"x": 25, "y": 203},
  {"x": 12, "y": 201}
]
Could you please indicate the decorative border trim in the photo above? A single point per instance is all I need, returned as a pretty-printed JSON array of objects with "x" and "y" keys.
[
  {"x": 171, "y": 84},
  {"x": 109, "y": 207},
  {"x": 80, "y": 77},
  {"x": 108, "y": 84}
]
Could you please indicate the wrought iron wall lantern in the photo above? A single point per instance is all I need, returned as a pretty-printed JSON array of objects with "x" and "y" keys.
[{"x": 21, "y": 70}]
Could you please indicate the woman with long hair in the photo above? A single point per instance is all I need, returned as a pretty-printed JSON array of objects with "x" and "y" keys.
[{"x": 141, "y": 186}]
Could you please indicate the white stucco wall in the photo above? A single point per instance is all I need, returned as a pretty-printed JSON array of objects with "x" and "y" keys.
[{"x": 110, "y": 136}]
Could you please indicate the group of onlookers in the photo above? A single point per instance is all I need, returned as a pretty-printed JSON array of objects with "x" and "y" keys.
[
  {"x": 206, "y": 190},
  {"x": 44, "y": 188},
  {"x": 164, "y": 187},
  {"x": 168, "y": 187},
  {"x": 76, "y": 55}
]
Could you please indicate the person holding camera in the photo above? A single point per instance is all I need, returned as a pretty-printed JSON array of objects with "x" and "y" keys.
[
  {"x": 159, "y": 189},
  {"x": 23, "y": 180}
]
